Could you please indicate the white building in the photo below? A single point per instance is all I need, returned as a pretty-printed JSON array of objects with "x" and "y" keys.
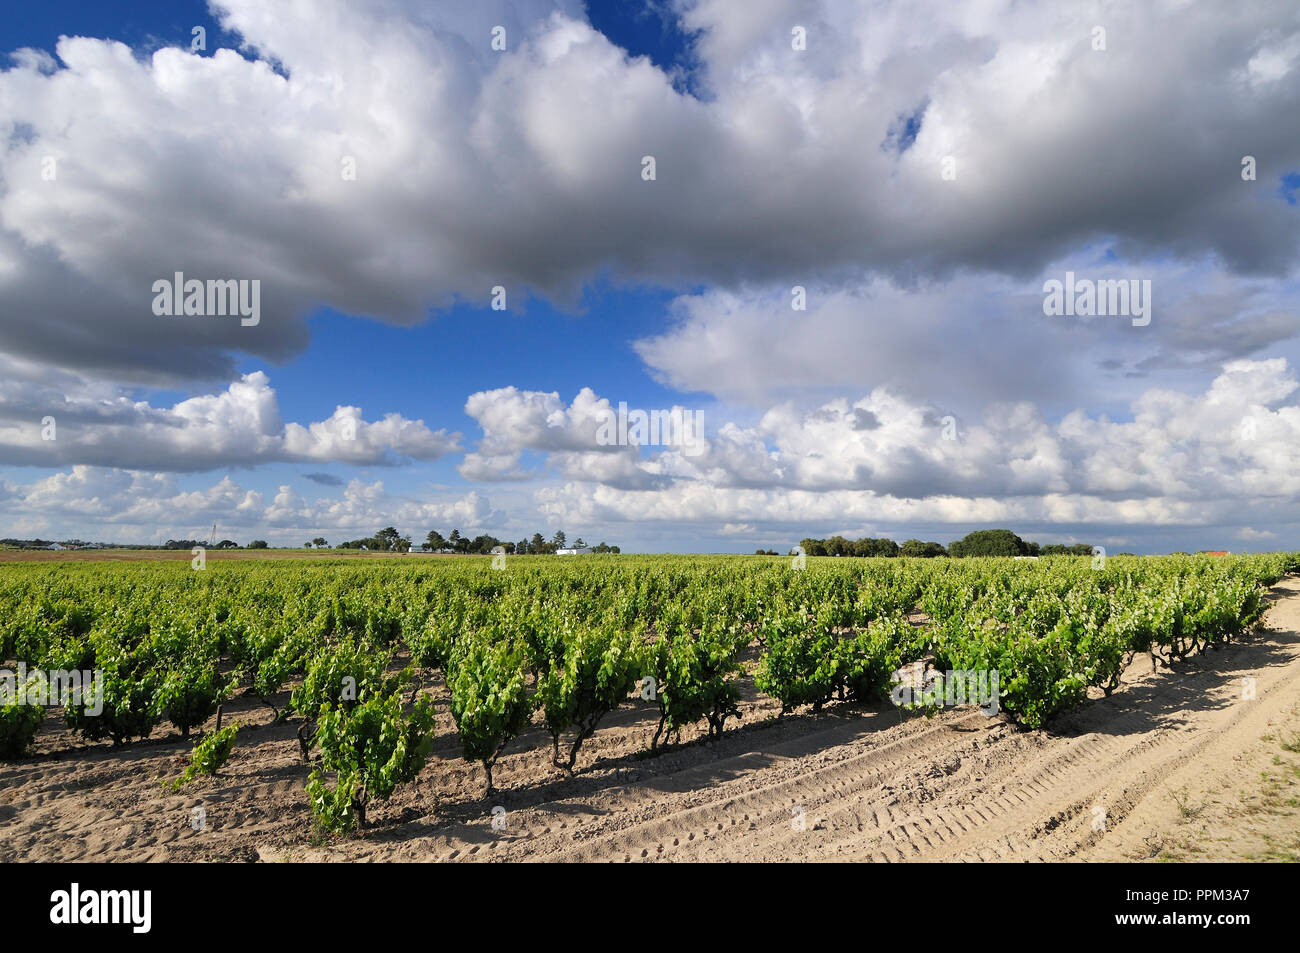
[{"x": 573, "y": 552}]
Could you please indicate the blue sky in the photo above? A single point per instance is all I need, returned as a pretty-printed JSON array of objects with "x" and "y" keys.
[
  {"x": 141, "y": 24},
  {"x": 778, "y": 168}
]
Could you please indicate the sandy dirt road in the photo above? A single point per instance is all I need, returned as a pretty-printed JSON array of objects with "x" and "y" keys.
[{"x": 1199, "y": 763}]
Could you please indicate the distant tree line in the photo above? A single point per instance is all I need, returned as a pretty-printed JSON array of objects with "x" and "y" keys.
[
  {"x": 192, "y": 543},
  {"x": 1060, "y": 549},
  {"x": 982, "y": 542},
  {"x": 538, "y": 545},
  {"x": 389, "y": 539},
  {"x": 867, "y": 546},
  {"x": 224, "y": 544},
  {"x": 38, "y": 543},
  {"x": 186, "y": 544},
  {"x": 1003, "y": 542}
]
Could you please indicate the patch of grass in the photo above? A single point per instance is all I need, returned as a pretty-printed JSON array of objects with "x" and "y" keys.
[
  {"x": 1284, "y": 853},
  {"x": 1275, "y": 788}
]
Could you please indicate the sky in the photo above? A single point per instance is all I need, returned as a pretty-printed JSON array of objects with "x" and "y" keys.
[{"x": 818, "y": 236}]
